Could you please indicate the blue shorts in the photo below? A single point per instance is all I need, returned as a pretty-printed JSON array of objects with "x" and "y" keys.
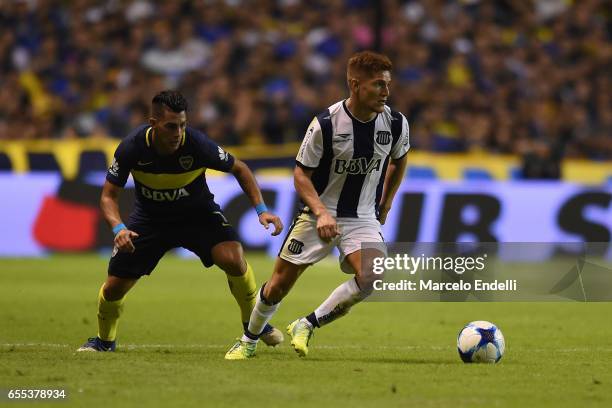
[{"x": 198, "y": 234}]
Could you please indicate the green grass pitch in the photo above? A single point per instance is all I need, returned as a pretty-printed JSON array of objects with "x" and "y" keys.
[{"x": 179, "y": 322}]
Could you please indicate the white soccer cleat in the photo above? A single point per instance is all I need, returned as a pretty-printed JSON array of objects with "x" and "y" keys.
[{"x": 272, "y": 337}]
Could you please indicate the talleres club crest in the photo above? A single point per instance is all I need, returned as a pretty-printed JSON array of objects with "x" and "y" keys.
[{"x": 383, "y": 137}]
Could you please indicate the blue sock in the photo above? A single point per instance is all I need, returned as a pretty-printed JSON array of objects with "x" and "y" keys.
[{"x": 267, "y": 329}]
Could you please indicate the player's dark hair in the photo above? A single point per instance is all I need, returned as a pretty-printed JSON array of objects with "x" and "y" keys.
[
  {"x": 368, "y": 63},
  {"x": 171, "y": 100}
]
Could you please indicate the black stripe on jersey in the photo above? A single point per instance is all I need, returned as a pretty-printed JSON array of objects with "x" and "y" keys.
[
  {"x": 363, "y": 147},
  {"x": 396, "y": 127},
  {"x": 396, "y": 132},
  {"x": 379, "y": 187},
  {"x": 320, "y": 177}
]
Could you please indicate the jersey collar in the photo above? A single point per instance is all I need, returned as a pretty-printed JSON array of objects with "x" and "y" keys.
[
  {"x": 148, "y": 136},
  {"x": 348, "y": 112}
]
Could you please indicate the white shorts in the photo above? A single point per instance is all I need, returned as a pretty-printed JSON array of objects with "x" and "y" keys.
[{"x": 303, "y": 246}]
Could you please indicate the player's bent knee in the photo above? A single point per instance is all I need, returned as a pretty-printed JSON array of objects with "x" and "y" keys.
[
  {"x": 116, "y": 288},
  {"x": 231, "y": 264},
  {"x": 229, "y": 257}
]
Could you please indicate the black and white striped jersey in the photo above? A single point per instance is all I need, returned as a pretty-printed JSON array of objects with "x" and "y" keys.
[{"x": 350, "y": 158}]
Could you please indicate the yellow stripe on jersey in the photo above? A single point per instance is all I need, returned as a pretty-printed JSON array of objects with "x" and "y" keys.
[
  {"x": 166, "y": 181},
  {"x": 183, "y": 141}
]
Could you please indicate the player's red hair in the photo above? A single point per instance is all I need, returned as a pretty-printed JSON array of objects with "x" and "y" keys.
[{"x": 367, "y": 63}]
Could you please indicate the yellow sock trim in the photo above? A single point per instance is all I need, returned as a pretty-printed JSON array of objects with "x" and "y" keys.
[
  {"x": 108, "y": 316},
  {"x": 244, "y": 290}
]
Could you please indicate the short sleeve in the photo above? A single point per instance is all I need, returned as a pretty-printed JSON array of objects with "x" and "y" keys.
[
  {"x": 123, "y": 162},
  {"x": 215, "y": 157},
  {"x": 403, "y": 143},
  {"x": 311, "y": 150}
]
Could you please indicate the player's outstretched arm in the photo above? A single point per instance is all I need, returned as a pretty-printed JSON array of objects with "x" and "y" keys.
[
  {"x": 326, "y": 224},
  {"x": 393, "y": 179},
  {"x": 247, "y": 182},
  {"x": 109, "y": 204}
]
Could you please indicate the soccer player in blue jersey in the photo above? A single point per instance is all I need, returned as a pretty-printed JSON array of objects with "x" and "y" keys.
[
  {"x": 174, "y": 208},
  {"x": 349, "y": 167}
]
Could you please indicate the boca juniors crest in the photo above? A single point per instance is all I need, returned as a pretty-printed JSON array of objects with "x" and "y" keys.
[{"x": 186, "y": 162}]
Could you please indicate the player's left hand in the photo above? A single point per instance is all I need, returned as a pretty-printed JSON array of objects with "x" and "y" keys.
[
  {"x": 382, "y": 214},
  {"x": 266, "y": 218}
]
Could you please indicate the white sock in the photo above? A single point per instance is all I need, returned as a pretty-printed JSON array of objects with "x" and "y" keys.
[
  {"x": 305, "y": 321},
  {"x": 260, "y": 316},
  {"x": 339, "y": 302}
]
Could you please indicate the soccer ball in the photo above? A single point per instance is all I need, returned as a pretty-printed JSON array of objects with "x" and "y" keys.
[{"x": 480, "y": 342}]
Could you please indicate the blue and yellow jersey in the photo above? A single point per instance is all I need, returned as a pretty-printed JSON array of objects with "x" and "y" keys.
[{"x": 168, "y": 187}]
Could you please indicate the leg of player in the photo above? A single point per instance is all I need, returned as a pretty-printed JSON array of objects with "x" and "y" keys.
[
  {"x": 229, "y": 256},
  {"x": 338, "y": 303},
  {"x": 110, "y": 305},
  {"x": 272, "y": 292}
]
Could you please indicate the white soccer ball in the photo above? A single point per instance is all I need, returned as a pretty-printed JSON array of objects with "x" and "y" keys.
[{"x": 480, "y": 342}]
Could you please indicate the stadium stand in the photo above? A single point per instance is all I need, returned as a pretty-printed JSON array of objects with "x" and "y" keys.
[{"x": 500, "y": 78}]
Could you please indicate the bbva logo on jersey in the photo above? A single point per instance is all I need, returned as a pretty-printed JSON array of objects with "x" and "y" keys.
[
  {"x": 383, "y": 137},
  {"x": 360, "y": 165},
  {"x": 171, "y": 195}
]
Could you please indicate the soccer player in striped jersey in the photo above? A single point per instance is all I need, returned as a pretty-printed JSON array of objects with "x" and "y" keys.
[
  {"x": 348, "y": 169},
  {"x": 174, "y": 208}
]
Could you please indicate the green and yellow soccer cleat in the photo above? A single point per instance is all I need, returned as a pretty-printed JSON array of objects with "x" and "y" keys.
[
  {"x": 300, "y": 332},
  {"x": 241, "y": 350}
]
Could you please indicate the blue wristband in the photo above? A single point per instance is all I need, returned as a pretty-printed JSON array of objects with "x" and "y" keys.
[
  {"x": 261, "y": 208},
  {"x": 118, "y": 228}
]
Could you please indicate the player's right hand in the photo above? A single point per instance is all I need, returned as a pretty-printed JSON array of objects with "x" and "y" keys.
[
  {"x": 327, "y": 227},
  {"x": 265, "y": 218},
  {"x": 123, "y": 240}
]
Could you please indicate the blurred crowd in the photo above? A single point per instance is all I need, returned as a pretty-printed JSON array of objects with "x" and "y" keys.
[{"x": 528, "y": 77}]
